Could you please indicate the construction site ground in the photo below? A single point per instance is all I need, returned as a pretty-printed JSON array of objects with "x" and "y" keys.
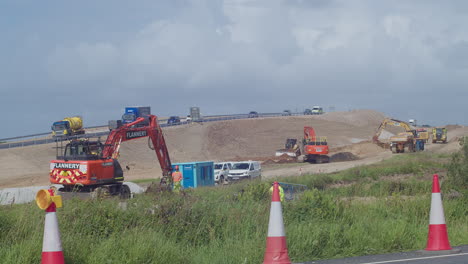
[{"x": 349, "y": 135}]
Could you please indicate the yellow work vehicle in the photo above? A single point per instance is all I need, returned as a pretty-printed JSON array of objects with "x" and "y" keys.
[
  {"x": 423, "y": 134},
  {"x": 439, "y": 134},
  {"x": 69, "y": 126},
  {"x": 408, "y": 141}
]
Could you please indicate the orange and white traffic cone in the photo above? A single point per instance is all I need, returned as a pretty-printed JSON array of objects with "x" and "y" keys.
[
  {"x": 276, "y": 249},
  {"x": 51, "y": 244},
  {"x": 437, "y": 237}
]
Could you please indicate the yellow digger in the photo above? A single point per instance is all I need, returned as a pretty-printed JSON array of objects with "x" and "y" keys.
[{"x": 408, "y": 141}]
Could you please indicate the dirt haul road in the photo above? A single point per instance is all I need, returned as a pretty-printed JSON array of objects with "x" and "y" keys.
[{"x": 228, "y": 140}]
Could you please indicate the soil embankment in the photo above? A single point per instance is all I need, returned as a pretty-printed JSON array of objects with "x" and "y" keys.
[{"x": 255, "y": 138}]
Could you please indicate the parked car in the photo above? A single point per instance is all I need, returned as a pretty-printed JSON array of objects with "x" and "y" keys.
[
  {"x": 221, "y": 172},
  {"x": 286, "y": 113},
  {"x": 307, "y": 112},
  {"x": 253, "y": 114},
  {"x": 245, "y": 170},
  {"x": 317, "y": 110},
  {"x": 173, "y": 120},
  {"x": 188, "y": 119}
]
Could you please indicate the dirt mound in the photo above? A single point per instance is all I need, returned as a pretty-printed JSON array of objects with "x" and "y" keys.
[
  {"x": 343, "y": 156},
  {"x": 244, "y": 139},
  {"x": 268, "y": 159},
  {"x": 453, "y": 127},
  {"x": 357, "y": 118},
  {"x": 361, "y": 149}
]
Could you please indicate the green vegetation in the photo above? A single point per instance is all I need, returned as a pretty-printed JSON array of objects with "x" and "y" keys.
[
  {"x": 458, "y": 169},
  {"x": 367, "y": 210}
]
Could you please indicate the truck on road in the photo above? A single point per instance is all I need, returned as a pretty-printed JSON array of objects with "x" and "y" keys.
[
  {"x": 133, "y": 112},
  {"x": 195, "y": 114},
  {"x": 69, "y": 126}
]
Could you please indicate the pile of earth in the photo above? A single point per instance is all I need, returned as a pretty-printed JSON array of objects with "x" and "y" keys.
[
  {"x": 244, "y": 139},
  {"x": 266, "y": 160},
  {"x": 343, "y": 156}
]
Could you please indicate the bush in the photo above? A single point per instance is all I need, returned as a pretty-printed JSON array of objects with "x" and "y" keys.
[{"x": 458, "y": 169}]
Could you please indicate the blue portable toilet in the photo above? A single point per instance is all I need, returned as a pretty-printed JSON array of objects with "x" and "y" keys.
[{"x": 196, "y": 174}]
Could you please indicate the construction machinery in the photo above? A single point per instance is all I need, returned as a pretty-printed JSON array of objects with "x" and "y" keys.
[
  {"x": 315, "y": 148},
  {"x": 439, "y": 134},
  {"x": 389, "y": 122},
  {"x": 405, "y": 141},
  {"x": 291, "y": 148},
  {"x": 91, "y": 166},
  {"x": 69, "y": 126},
  {"x": 423, "y": 134}
]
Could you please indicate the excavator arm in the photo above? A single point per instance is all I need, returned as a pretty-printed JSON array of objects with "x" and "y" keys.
[
  {"x": 309, "y": 134},
  {"x": 130, "y": 132},
  {"x": 392, "y": 122}
]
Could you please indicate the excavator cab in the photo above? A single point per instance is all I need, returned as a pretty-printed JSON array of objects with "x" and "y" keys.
[
  {"x": 81, "y": 150},
  {"x": 322, "y": 141}
]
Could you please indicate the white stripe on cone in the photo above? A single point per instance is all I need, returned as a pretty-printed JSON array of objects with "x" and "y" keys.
[
  {"x": 51, "y": 242},
  {"x": 437, "y": 210},
  {"x": 437, "y": 238},
  {"x": 276, "y": 225}
]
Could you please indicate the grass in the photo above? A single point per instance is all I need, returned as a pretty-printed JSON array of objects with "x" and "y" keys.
[{"x": 367, "y": 210}]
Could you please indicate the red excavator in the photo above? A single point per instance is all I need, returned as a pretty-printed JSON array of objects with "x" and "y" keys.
[
  {"x": 90, "y": 166},
  {"x": 315, "y": 148}
]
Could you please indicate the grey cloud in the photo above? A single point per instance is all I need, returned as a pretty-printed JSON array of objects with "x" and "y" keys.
[
  {"x": 349, "y": 54},
  {"x": 455, "y": 56}
]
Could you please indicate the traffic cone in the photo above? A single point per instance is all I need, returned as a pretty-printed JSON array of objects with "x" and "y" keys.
[
  {"x": 276, "y": 249},
  {"x": 51, "y": 244},
  {"x": 437, "y": 237}
]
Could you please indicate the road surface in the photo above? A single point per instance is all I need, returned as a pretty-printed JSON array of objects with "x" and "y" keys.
[{"x": 414, "y": 257}]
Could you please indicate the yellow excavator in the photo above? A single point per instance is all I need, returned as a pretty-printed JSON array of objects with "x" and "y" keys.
[{"x": 408, "y": 140}]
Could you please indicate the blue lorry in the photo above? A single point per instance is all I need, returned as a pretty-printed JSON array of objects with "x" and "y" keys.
[{"x": 133, "y": 112}]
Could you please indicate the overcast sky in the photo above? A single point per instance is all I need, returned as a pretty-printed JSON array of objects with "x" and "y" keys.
[{"x": 407, "y": 59}]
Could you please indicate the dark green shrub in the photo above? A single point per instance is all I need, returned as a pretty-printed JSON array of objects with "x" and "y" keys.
[{"x": 458, "y": 169}]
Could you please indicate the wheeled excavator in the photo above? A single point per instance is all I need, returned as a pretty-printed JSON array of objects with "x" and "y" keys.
[{"x": 92, "y": 166}]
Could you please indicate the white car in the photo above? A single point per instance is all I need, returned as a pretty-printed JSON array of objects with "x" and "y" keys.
[
  {"x": 221, "y": 172},
  {"x": 245, "y": 170}
]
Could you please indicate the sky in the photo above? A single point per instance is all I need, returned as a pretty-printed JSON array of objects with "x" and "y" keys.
[{"x": 405, "y": 58}]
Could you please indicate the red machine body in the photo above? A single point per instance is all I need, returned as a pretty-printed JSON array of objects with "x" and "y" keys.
[
  {"x": 315, "y": 148},
  {"x": 91, "y": 164}
]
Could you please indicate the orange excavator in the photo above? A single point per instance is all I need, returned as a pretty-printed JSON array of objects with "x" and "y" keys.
[
  {"x": 315, "y": 148},
  {"x": 90, "y": 166}
]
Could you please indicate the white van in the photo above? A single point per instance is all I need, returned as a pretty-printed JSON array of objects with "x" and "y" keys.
[
  {"x": 317, "y": 110},
  {"x": 245, "y": 170},
  {"x": 221, "y": 171}
]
